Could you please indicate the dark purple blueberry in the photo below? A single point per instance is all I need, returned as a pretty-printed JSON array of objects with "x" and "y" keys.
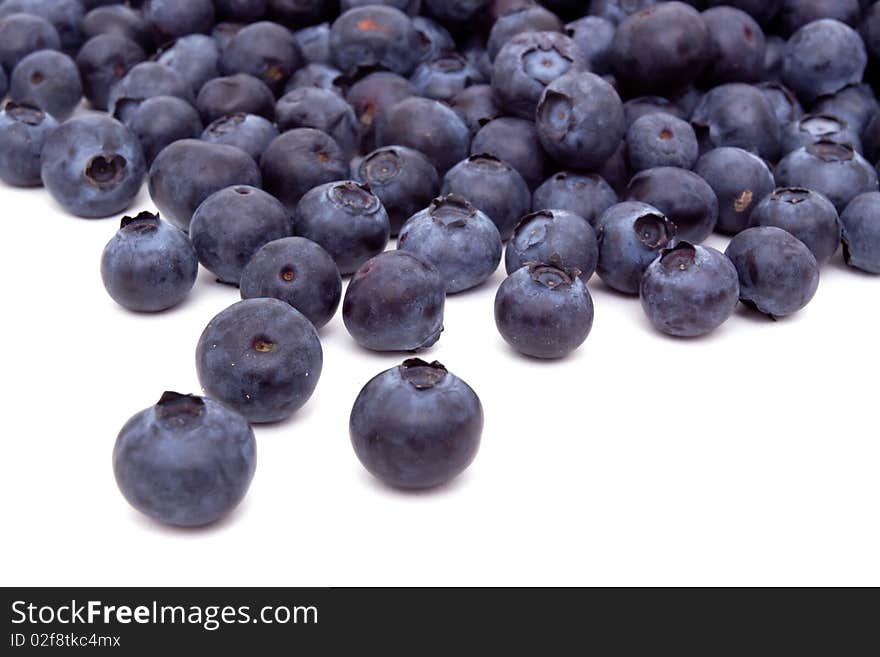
[
  {"x": 372, "y": 96},
  {"x": 188, "y": 171},
  {"x": 785, "y": 104},
  {"x": 320, "y": 76},
  {"x": 434, "y": 39},
  {"x": 416, "y": 426},
  {"x": 456, "y": 11},
  {"x": 149, "y": 265},
  {"x": 594, "y": 36},
  {"x": 117, "y": 19},
  {"x": 738, "y": 115},
  {"x": 22, "y": 34},
  {"x": 241, "y": 10},
  {"x": 300, "y": 160},
  {"x": 232, "y": 224},
  {"x": 444, "y": 76},
  {"x": 260, "y": 357},
  {"x": 476, "y": 106},
  {"x": 544, "y": 311},
  {"x": 556, "y": 236},
  {"x": 236, "y": 93},
  {"x": 631, "y": 236},
  {"x": 160, "y": 121},
  {"x": 808, "y": 215},
  {"x": 428, "y": 126},
  {"x": 66, "y": 16},
  {"x": 618, "y": 11},
  {"x": 493, "y": 187},
  {"x": 855, "y": 104},
  {"x": 93, "y": 166},
  {"x": 313, "y": 43},
  {"x": 778, "y": 274},
  {"x": 690, "y": 290},
  {"x": 835, "y": 170},
  {"x": 196, "y": 58},
  {"x": 516, "y": 142},
  {"x": 534, "y": 18},
  {"x": 347, "y": 220},
  {"x": 223, "y": 33},
  {"x": 797, "y": 13},
  {"x": 861, "y": 232},
  {"x": 146, "y": 80},
  {"x": 636, "y": 108},
  {"x": 762, "y": 11},
  {"x": 410, "y": 7},
  {"x": 249, "y": 132},
  {"x": 812, "y": 128},
  {"x": 822, "y": 58},
  {"x": 738, "y": 46},
  {"x": 299, "y": 272},
  {"x": 457, "y": 238},
  {"x": 374, "y": 36},
  {"x": 580, "y": 120},
  {"x": 187, "y": 461},
  {"x": 661, "y": 140},
  {"x": 103, "y": 61},
  {"x": 170, "y": 19},
  {"x": 681, "y": 195},
  {"x": 665, "y": 46},
  {"x": 49, "y": 80},
  {"x": 264, "y": 50},
  {"x": 395, "y": 302},
  {"x": 23, "y": 133},
  {"x": 309, "y": 107},
  {"x": 527, "y": 64},
  {"x": 403, "y": 179},
  {"x": 300, "y": 12},
  {"x": 586, "y": 195},
  {"x": 740, "y": 180}
]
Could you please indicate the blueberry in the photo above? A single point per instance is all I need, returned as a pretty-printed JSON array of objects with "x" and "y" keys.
[
  {"x": 186, "y": 461},
  {"x": 93, "y": 166},
  {"x": 434, "y": 39},
  {"x": 146, "y": 80},
  {"x": 681, "y": 195},
  {"x": 527, "y": 64},
  {"x": 162, "y": 120},
  {"x": 232, "y": 94},
  {"x": 117, "y": 19},
  {"x": 261, "y": 357},
  {"x": 738, "y": 115},
  {"x": 170, "y": 19},
  {"x": 374, "y": 37},
  {"x": 797, "y": 13},
  {"x": 778, "y": 274},
  {"x": 231, "y": 225},
  {"x": 403, "y": 179},
  {"x": 241, "y": 10},
  {"x": 586, "y": 195},
  {"x": 428, "y": 126},
  {"x": 808, "y": 215},
  {"x": 196, "y": 58},
  {"x": 48, "y": 79},
  {"x": 525, "y": 18},
  {"x": 631, "y": 236},
  {"x": 738, "y": 46},
  {"x": 476, "y": 106},
  {"x": 296, "y": 271},
  {"x": 103, "y": 61},
  {"x": 870, "y": 30},
  {"x": 395, "y": 302},
  {"x": 264, "y": 50},
  {"x": 861, "y": 232},
  {"x": 617, "y": 11},
  {"x": 636, "y": 108},
  {"x": 309, "y": 107},
  {"x": 149, "y": 265},
  {"x": 554, "y": 235},
  {"x": 372, "y": 96},
  {"x": 222, "y": 33},
  {"x": 188, "y": 171},
  {"x": 661, "y": 140},
  {"x": 493, "y": 187},
  {"x": 661, "y": 47},
  {"x": 23, "y": 133},
  {"x": 740, "y": 180},
  {"x": 249, "y": 132},
  {"x": 313, "y": 43},
  {"x": 690, "y": 290},
  {"x": 321, "y": 76},
  {"x": 811, "y": 128},
  {"x": 580, "y": 120},
  {"x": 785, "y": 104},
  {"x": 444, "y": 76},
  {"x": 66, "y": 16},
  {"x": 822, "y": 58},
  {"x": 416, "y": 425},
  {"x": 763, "y": 11},
  {"x": 457, "y": 238},
  {"x": 836, "y": 170},
  {"x": 22, "y": 34},
  {"x": 455, "y": 10},
  {"x": 516, "y": 142},
  {"x": 856, "y": 105},
  {"x": 594, "y": 36},
  {"x": 300, "y": 160},
  {"x": 544, "y": 311}
]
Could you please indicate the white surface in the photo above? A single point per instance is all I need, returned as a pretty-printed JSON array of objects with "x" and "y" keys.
[{"x": 748, "y": 457}]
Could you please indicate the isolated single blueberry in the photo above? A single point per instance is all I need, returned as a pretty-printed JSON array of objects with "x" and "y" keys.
[
  {"x": 861, "y": 232},
  {"x": 416, "y": 425},
  {"x": 554, "y": 235}
]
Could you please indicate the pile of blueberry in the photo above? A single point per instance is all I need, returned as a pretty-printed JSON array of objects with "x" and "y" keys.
[{"x": 286, "y": 141}]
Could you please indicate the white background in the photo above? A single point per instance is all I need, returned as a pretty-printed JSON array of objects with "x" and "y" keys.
[{"x": 749, "y": 457}]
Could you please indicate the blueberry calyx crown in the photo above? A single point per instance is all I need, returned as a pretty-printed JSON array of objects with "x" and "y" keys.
[
  {"x": 449, "y": 62},
  {"x": 382, "y": 166},
  {"x": 105, "y": 169},
  {"x": 143, "y": 222},
  {"x": 354, "y": 197},
  {"x": 793, "y": 195},
  {"x": 654, "y": 230},
  {"x": 421, "y": 374},
  {"x": 682, "y": 257},
  {"x": 452, "y": 211},
  {"x": 25, "y": 113},
  {"x": 176, "y": 406},
  {"x": 487, "y": 161},
  {"x": 227, "y": 123},
  {"x": 821, "y": 124},
  {"x": 831, "y": 151},
  {"x": 553, "y": 274},
  {"x": 556, "y": 113}
]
